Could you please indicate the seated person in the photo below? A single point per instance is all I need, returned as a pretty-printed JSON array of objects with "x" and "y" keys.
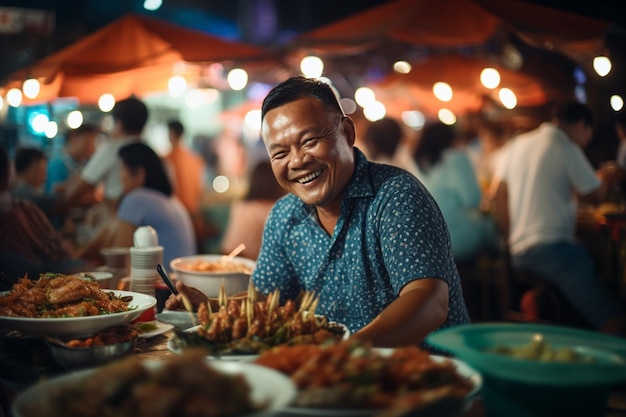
[
  {"x": 29, "y": 243},
  {"x": 367, "y": 238},
  {"x": 447, "y": 172},
  {"x": 147, "y": 200},
  {"x": 247, "y": 216},
  {"x": 30, "y": 170}
]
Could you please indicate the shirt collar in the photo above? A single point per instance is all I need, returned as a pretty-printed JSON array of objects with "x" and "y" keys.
[{"x": 358, "y": 186}]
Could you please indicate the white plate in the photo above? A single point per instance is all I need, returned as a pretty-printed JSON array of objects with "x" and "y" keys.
[
  {"x": 247, "y": 358},
  {"x": 78, "y": 326},
  {"x": 446, "y": 410},
  {"x": 230, "y": 358},
  {"x": 160, "y": 329},
  {"x": 267, "y": 386}
]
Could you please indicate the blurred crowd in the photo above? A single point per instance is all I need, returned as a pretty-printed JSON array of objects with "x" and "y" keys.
[{"x": 505, "y": 191}]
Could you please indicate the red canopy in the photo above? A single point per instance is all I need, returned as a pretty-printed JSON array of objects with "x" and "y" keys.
[
  {"x": 133, "y": 55},
  {"x": 452, "y": 40},
  {"x": 414, "y": 90}
]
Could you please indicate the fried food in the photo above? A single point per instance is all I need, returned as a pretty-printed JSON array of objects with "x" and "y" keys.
[
  {"x": 350, "y": 374},
  {"x": 183, "y": 386},
  {"x": 58, "y": 295},
  {"x": 249, "y": 326}
]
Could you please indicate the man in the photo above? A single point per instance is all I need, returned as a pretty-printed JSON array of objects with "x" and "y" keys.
[
  {"x": 382, "y": 139},
  {"x": 534, "y": 205},
  {"x": 80, "y": 144},
  {"x": 187, "y": 170},
  {"x": 367, "y": 238},
  {"x": 30, "y": 170},
  {"x": 129, "y": 119}
]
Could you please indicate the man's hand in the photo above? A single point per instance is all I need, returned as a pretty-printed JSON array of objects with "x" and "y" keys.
[{"x": 195, "y": 297}]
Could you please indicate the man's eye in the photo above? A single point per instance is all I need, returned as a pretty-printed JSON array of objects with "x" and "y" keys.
[
  {"x": 310, "y": 142},
  {"x": 279, "y": 155}
]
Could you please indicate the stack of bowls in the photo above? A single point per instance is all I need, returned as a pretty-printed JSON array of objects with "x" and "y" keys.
[
  {"x": 143, "y": 272},
  {"x": 145, "y": 255}
]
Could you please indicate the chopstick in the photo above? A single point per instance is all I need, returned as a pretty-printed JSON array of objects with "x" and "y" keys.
[{"x": 166, "y": 278}]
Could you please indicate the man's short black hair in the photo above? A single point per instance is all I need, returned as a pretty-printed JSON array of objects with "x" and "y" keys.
[
  {"x": 25, "y": 157},
  {"x": 299, "y": 87},
  {"x": 572, "y": 111},
  {"x": 132, "y": 113}
]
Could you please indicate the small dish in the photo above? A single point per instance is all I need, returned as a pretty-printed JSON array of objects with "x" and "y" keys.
[
  {"x": 181, "y": 319},
  {"x": 154, "y": 327}
]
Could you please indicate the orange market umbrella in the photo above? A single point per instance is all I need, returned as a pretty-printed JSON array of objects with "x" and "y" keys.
[
  {"x": 414, "y": 91},
  {"x": 133, "y": 55}
]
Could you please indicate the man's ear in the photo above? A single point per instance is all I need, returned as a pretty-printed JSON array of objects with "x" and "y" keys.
[{"x": 349, "y": 129}]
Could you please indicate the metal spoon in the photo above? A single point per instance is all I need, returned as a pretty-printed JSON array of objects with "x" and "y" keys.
[{"x": 166, "y": 278}]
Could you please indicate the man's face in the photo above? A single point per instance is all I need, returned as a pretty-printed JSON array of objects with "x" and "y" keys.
[{"x": 310, "y": 150}]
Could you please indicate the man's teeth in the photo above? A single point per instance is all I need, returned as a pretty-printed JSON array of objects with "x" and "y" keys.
[{"x": 310, "y": 177}]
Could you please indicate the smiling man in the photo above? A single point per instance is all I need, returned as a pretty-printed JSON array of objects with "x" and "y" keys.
[{"x": 367, "y": 238}]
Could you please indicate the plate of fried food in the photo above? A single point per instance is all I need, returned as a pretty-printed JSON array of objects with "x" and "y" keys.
[
  {"x": 352, "y": 379},
  {"x": 242, "y": 328},
  {"x": 66, "y": 305},
  {"x": 185, "y": 385}
]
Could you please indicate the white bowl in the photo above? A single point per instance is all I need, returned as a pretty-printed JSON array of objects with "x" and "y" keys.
[{"x": 210, "y": 282}]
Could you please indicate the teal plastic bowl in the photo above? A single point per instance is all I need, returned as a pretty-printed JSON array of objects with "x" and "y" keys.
[{"x": 516, "y": 387}]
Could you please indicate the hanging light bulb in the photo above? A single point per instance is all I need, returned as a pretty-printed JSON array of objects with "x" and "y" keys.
[
  {"x": 237, "y": 79},
  {"x": 364, "y": 96},
  {"x": 52, "y": 128},
  {"x": 442, "y": 91},
  {"x": 507, "y": 98},
  {"x": 374, "y": 111},
  {"x": 602, "y": 65},
  {"x": 177, "y": 85},
  {"x": 106, "y": 102},
  {"x": 14, "y": 97},
  {"x": 617, "y": 102},
  {"x": 312, "y": 66},
  {"x": 446, "y": 116},
  {"x": 74, "y": 119},
  {"x": 490, "y": 78},
  {"x": 31, "y": 87},
  {"x": 402, "y": 67}
]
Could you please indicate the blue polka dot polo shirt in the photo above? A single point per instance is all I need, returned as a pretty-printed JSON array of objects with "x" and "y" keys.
[{"x": 390, "y": 232}]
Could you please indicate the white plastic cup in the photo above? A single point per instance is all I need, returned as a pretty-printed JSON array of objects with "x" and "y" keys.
[{"x": 145, "y": 237}]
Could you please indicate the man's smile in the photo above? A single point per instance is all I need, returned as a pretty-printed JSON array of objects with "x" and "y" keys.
[{"x": 309, "y": 178}]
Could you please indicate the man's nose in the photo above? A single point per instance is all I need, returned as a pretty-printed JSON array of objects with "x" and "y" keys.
[{"x": 299, "y": 157}]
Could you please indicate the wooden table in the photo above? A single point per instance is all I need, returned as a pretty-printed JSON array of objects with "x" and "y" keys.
[{"x": 25, "y": 361}]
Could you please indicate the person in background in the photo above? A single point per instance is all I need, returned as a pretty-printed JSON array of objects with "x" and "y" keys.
[
  {"x": 148, "y": 200},
  {"x": 187, "y": 169},
  {"x": 29, "y": 243},
  {"x": 367, "y": 238},
  {"x": 382, "y": 138},
  {"x": 247, "y": 217},
  {"x": 30, "y": 169},
  {"x": 492, "y": 140},
  {"x": 102, "y": 170},
  {"x": 534, "y": 199},
  {"x": 447, "y": 172},
  {"x": 80, "y": 144}
]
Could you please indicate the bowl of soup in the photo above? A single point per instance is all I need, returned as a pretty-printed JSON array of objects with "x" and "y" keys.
[{"x": 208, "y": 273}]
